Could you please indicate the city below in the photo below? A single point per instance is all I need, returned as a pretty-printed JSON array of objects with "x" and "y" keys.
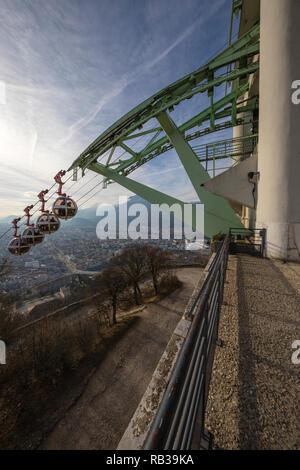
[{"x": 73, "y": 254}]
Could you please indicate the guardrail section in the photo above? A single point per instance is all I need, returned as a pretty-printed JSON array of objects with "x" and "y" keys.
[{"x": 180, "y": 420}]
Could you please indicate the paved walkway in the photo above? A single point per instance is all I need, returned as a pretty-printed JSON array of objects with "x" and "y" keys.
[
  {"x": 255, "y": 387},
  {"x": 99, "y": 417}
]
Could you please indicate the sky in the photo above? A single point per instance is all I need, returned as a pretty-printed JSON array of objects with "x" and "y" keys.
[{"x": 71, "y": 68}]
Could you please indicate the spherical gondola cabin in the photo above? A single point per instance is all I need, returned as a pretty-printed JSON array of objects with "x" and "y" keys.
[
  {"x": 48, "y": 223},
  {"x": 33, "y": 236},
  {"x": 18, "y": 246},
  {"x": 64, "y": 207}
]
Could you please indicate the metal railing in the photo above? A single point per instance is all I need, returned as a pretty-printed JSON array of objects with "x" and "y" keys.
[
  {"x": 230, "y": 148},
  {"x": 188, "y": 138},
  {"x": 182, "y": 409},
  {"x": 248, "y": 240}
]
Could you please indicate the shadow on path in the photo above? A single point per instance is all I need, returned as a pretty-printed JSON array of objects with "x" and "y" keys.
[{"x": 268, "y": 319}]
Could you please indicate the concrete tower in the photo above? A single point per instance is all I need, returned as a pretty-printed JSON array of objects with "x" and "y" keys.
[{"x": 278, "y": 207}]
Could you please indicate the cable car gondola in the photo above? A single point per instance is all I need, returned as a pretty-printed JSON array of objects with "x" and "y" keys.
[
  {"x": 33, "y": 236},
  {"x": 18, "y": 246},
  {"x": 48, "y": 223},
  {"x": 64, "y": 207}
]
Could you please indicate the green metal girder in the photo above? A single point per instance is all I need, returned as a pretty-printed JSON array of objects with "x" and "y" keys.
[
  {"x": 247, "y": 51},
  {"x": 130, "y": 165},
  {"x": 188, "y": 137},
  {"x": 140, "y": 134},
  {"x": 128, "y": 149},
  {"x": 169, "y": 96},
  {"x": 236, "y": 73},
  {"x": 216, "y": 223},
  {"x": 149, "y": 194},
  {"x": 218, "y": 214},
  {"x": 240, "y": 110},
  {"x": 194, "y": 121},
  {"x": 249, "y": 38},
  {"x": 203, "y": 116}
]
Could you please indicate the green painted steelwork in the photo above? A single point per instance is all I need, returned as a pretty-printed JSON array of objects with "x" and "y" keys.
[
  {"x": 151, "y": 195},
  {"x": 157, "y": 197},
  {"x": 185, "y": 88},
  {"x": 218, "y": 214},
  {"x": 118, "y": 136},
  {"x": 230, "y": 148},
  {"x": 188, "y": 137}
]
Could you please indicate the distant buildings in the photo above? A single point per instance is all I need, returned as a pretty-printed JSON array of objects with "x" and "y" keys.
[{"x": 53, "y": 265}]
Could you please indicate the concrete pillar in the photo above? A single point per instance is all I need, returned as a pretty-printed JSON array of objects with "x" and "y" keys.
[
  {"x": 279, "y": 129},
  {"x": 246, "y": 128},
  {"x": 241, "y": 131}
]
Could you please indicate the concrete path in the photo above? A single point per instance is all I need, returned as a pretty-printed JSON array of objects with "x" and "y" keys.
[
  {"x": 98, "y": 419},
  {"x": 255, "y": 388}
]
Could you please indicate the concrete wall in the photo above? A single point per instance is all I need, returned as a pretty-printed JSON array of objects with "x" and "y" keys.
[{"x": 279, "y": 129}]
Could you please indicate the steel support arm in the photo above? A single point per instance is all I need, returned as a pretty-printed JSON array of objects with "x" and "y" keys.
[
  {"x": 218, "y": 214},
  {"x": 149, "y": 194}
]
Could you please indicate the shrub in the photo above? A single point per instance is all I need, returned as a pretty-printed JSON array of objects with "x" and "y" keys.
[{"x": 168, "y": 283}]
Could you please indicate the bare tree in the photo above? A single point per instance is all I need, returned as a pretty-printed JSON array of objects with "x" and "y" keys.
[
  {"x": 157, "y": 261},
  {"x": 132, "y": 262},
  {"x": 114, "y": 282}
]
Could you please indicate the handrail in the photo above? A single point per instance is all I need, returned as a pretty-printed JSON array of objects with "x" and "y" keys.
[
  {"x": 184, "y": 401},
  {"x": 238, "y": 146},
  {"x": 256, "y": 240}
]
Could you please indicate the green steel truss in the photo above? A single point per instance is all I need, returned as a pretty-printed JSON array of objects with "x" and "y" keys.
[{"x": 219, "y": 216}]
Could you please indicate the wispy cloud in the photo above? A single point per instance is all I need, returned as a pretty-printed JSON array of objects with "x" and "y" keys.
[
  {"x": 133, "y": 76},
  {"x": 70, "y": 71},
  {"x": 85, "y": 120},
  {"x": 121, "y": 85}
]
